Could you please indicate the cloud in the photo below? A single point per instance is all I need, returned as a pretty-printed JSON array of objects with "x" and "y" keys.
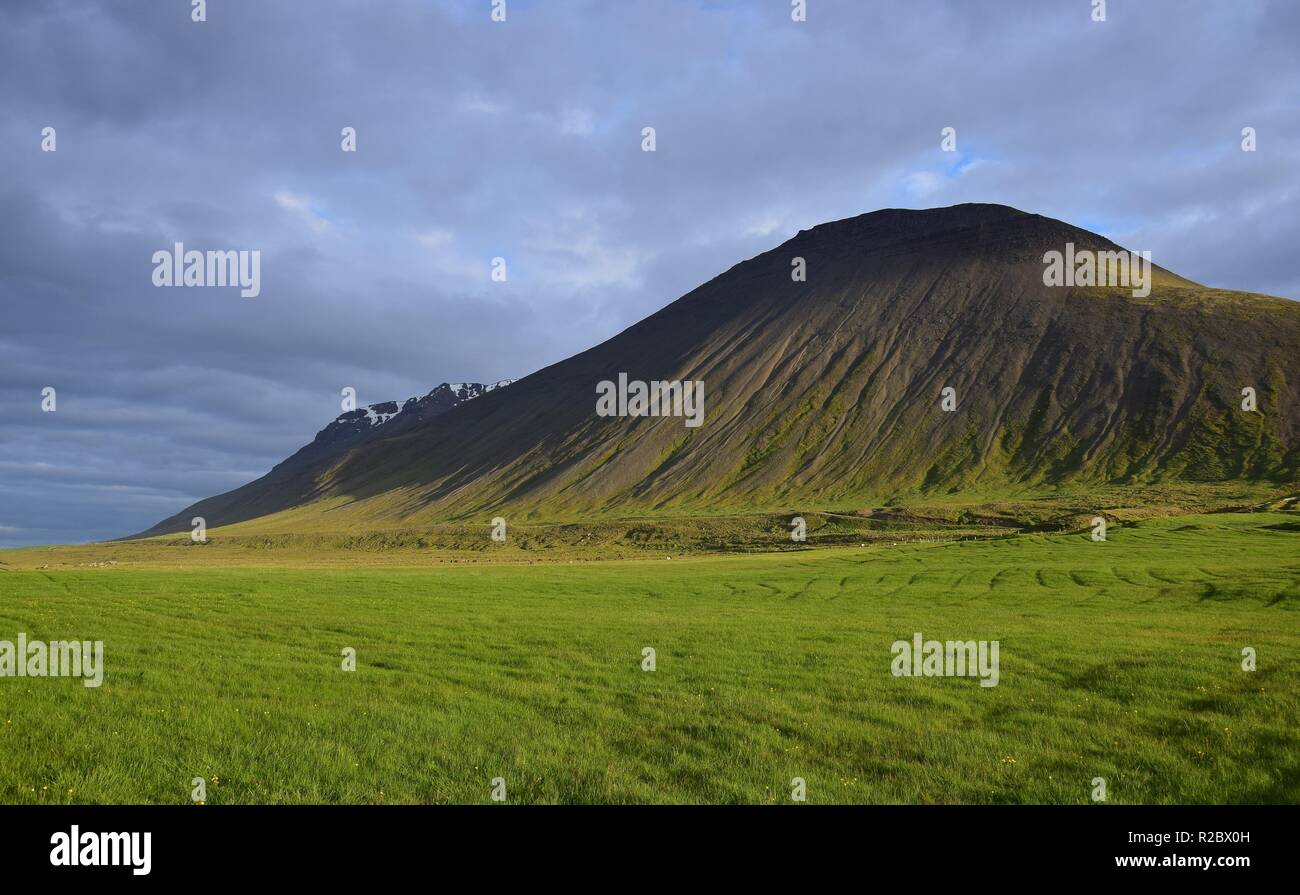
[
  {"x": 577, "y": 122},
  {"x": 442, "y": 257},
  {"x": 303, "y": 208},
  {"x": 522, "y": 140},
  {"x": 924, "y": 183}
]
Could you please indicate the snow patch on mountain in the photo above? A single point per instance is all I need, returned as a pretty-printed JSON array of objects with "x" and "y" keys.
[{"x": 439, "y": 400}]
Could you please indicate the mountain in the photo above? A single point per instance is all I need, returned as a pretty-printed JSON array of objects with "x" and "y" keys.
[
  {"x": 357, "y": 427},
  {"x": 828, "y": 392},
  {"x": 350, "y": 430}
]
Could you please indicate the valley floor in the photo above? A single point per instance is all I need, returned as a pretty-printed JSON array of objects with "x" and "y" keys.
[{"x": 1120, "y": 660}]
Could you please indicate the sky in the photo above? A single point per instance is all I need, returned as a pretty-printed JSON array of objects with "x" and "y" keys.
[{"x": 523, "y": 140}]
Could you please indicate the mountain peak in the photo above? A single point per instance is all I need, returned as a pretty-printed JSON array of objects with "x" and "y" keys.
[
  {"x": 996, "y": 234},
  {"x": 940, "y": 217},
  {"x": 465, "y": 391},
  {"x": 440, "y": 399}
]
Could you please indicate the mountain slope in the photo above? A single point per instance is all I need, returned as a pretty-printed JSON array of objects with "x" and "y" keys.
[
  {"x": 829, "y": 390},
  {"x": 350, "y": 430}
]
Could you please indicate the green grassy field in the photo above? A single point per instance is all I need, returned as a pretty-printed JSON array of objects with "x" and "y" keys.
[{"x": 1119, "y": 660}]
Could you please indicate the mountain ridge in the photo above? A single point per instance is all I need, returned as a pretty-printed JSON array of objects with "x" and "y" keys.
[{"x": 355, "y": 425}]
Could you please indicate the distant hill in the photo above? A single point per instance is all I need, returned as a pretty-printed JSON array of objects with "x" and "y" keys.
[{"x": 828, "y": 392}]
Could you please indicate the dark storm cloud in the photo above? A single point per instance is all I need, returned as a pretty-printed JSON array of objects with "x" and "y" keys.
[{"x": 523, "y": 140}]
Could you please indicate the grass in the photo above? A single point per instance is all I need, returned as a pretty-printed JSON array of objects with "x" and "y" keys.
[{"x": 1119, "y": 660}]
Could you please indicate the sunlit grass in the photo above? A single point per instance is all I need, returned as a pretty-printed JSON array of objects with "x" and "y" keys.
[{"x": 1119, "y": 660}]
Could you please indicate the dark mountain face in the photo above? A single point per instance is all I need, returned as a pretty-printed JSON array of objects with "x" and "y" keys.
[{"x": 833, "y": 389}]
